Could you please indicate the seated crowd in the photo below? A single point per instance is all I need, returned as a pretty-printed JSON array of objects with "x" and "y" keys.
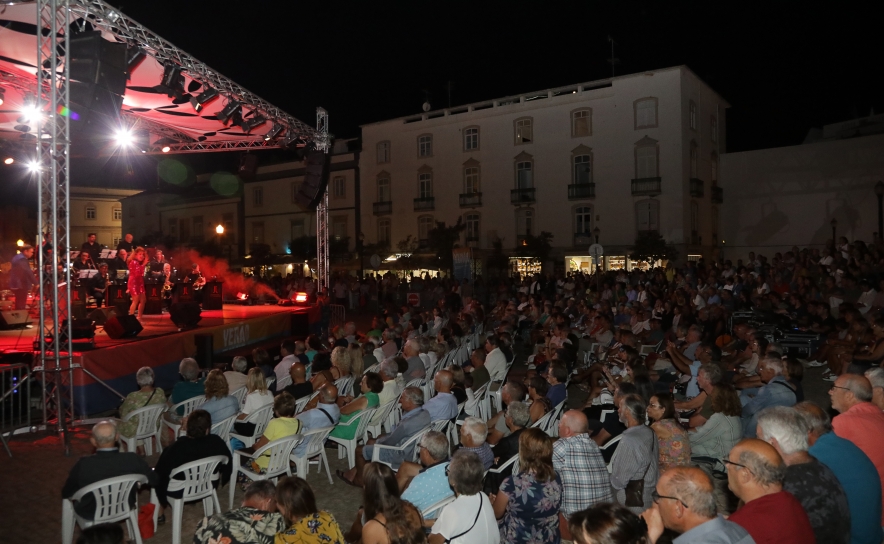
[{"x": 644, "y": 414}]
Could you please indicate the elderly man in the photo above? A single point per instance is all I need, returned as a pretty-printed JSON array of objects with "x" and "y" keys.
[
  {"x": 107, "y": 462},
  {"x": 495, "y": 362},
  {"x": 257, "y": 521},
  {"x": 578, "y": 462},
  {"x": 287, "y": 352},
  {"x": 414, "y": 419},
  {"x": 755, "y": 473},
  {"x": 498, "y": 428},
  {"x": 812, "y": 483},
  {"x": 443, "y": 405},
  {"x": 388, "y": 371},
  {"x": 427, "y": 483},
  {"x": 854, "y": 470},
  {"x": 686, "y": 361},
  {"x": 470, "y": 518},
  {"x": 634, "y": 467},
  {"x": 299, "y": 387},
  {"x": 684, "y": 502},
  {"x": 237, "y": 378},
  {"x": 326, "y": 414},
  {"x": 416, "y": 369},
  {"x": 876, "y": 378},
  {"x": 517, "y": 416},
  {"x": 860, "y": 421},
  {"x": 708, "y": 377},
  {"x": 473, "y": 434},
  {"x": 776, "y": 391}
]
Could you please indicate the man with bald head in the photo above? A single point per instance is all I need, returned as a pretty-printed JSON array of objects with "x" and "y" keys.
[
  {"x": 443, "y": 405},
  {"x": 684, "y": 502},
  {"x": 325, "y": 414},
  {"x": 299, "y": 387},
  {"x": 107, "y": 462},
  {"x": 578, "y": 462},
  {"x": 860, "y": 421},
  {"x": 755, "y": 473},
  {"x": 854, "y": 470}
]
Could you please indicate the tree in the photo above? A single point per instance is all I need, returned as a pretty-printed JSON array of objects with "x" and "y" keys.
[
  {"x": 442, "y": 240},
  {"x": 651, "y": 247},
  {"x": 538, "y": 246},
  {"x": 497, "y": 260}
]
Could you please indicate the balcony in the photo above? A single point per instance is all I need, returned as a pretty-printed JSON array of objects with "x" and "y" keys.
[
  {"x": 717, "y": 195},
  {"x": 581, "y": 190},
  {"x": 383, "y": 208},
  {"x": 470, "y": 200},
  {"x": 583, "y": 239},
  {"x": 425, "y": 204},
  {"x": 522, "y": 196},
  {"x": 646, "y": 186},
  {"x": 696, "y": 187},
  {"x": 472, "y": 240}
]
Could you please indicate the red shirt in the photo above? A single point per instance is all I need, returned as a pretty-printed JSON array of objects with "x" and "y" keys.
[
  {"x": 863, "y": 424},
  {"x": 777, "y": 518}
]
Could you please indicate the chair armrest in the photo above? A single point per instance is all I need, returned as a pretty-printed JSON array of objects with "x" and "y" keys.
[{"x": 376, "y": 451}]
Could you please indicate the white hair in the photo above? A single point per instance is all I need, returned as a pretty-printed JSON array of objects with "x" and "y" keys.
[
  {"x": 476, "y": 429},
  {"x": 786, "y": 425},
  {"x": 144, "y": 376},
  {"x": 240, "y": 364}
]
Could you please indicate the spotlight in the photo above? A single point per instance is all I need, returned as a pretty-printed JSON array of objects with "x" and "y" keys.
[
  {"x": 248, "y": 124},
  {"x": 173, "y": 80},
  {"x": 8, "y": 160},
  {"x": 274, "y": 132},
  {"x": 2, "y": 95},
  {"x": 124, "y": 137},
  {"x": 134, "y": 57},
  {"x": 166, "y": 149},
  {"x": 232, "y": 108},
  {"x": 198, "y": 102},
  {"x": 30, "y": 110},
  {"x": 33, "y": 166}
]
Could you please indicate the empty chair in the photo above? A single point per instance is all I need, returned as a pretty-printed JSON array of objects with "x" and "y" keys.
[
  {"x": 148, "y": 428},
  {"x": 314, "y": 440},
  {"x": 111, "y": 506},
  {"x": 196, "y": 485},
  {"x": 348, "y": 447},
  {"x": 277, "y": 464}
]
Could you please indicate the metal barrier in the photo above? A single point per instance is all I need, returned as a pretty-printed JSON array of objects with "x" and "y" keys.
[
  {"x": 336, "y": 318},
  {"x": 15, "y": 399}
]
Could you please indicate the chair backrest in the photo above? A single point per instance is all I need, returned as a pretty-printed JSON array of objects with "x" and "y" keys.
[
  {"x": 198, "y": 477},
  {"x": 240, "y": 394},
  {"x": 408, "y": 447},
  {"x": 543, "y": 422},
  {"x": 283, "y": 383},
  {"x": 261, "y": 418},
  {"x": 315, "y": 440},
  {"x": 189, "y": 405},
  {"x": 364, "y": 418},
  {"x": 301, "y": 403},
  {"x": 222, "y": 428},
  {"x": 440, "y": 425},
  {"x": 372, "y": 368},
  {"x": 552, "y": 425},
  {"x": 383, "y": 412},
  {"x": 147, "y": 418},
  {"x": 344, "y": 385},
  {"x": 111, "y": 496},
  {"x": 437, "y": 506},
  {"x": 418, "y": 382},
  {"x": 514, "y": 460},
  {"x": 270, "y": 381},
  {"x": 279, "y": 451}
]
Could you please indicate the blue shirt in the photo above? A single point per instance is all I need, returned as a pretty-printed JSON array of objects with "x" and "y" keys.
[
  {"x": 859, "y": 478},
  {"x": 556, "y": 394},
  {"x": 715, "y": 531},
  {"x": 442, "y": 406},
  {"x": 775, "y": 393},
  {"x": 221, "y": 409},
  {"x": 315, "y": 419},
  {"x": 428, "y": 488}
]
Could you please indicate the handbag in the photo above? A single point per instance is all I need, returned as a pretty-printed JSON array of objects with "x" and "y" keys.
[
  {"x": 145, "y": 520},
  {"x": 634, "y": 493}
]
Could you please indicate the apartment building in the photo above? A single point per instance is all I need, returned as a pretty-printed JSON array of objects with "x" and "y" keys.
[
  {"x": 98, "y": 210},
  {"x": 622, "y": 155}
]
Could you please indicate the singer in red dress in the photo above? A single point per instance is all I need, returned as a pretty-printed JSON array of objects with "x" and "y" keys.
[{"x": 136, "y": 282}]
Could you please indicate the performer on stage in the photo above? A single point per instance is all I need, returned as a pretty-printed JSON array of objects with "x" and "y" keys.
[
  {"x": 83, "y": 262},
  {"x": 156, "y": 266},
  {"x": 99, "y": 284},
  {"x": 126, "y": 244},
  {"x": 168, "y": 287},
  {"x": 91, "y": 247},
  {"x": 21, "y": 277},
  {"x": 119, "y": 262},
  {"x": 136, "y": 282},
  {"x": 195, "y": 277}
]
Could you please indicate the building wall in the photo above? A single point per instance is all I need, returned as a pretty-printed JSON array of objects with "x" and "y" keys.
[
  {"x": 93, "y": 210},
  {"x": 194, "y": 222},
  {"x": 141, "y": 214},
  {"x": 612, "y": 145},
  {"x": 787, "y": 196}
]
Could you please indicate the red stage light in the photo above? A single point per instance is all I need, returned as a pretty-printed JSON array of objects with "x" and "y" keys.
[
  {"x": 242, "y": 296},
  {"x": 301, "y": 297}
]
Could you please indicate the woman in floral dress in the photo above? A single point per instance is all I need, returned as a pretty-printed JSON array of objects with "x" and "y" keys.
[
  {"x": 306, "y": 523},
  {"x": 527, "y": 505},
  {"x": 136, "y": 282},
  {"x": 145, "y": 395},
  {"x": 672, "y": 439}
]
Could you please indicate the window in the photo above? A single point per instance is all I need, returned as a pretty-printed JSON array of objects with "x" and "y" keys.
[
  {"x": 581, "y": 123},
  {"x": 258, "y": 197},
  {"x": 647, "y": 215},
  {"x": 714, "y": 129},
  {"x": 472, "y": 223},
  {"x": 645, "y": 161},
  {"x": 524, "y": 130},
  {"x": 117, "y": 240},
  {"x": 339, "y": 226},
  {"x": 198, "y": 232},
  {"x": 424, "y": 226},
  {"x": 524, "y": 222},
  {"x": 471, "y": 139},
  {"x": 425, "y": 145},
  {"x": 90, "y": 211},
  {"x": 184, "y": 229},
  {"x": 471, "y": 179},
  {"x": 258, "y": 232},
  {"x": 384, "y": 232},
  {"x": 582, "y": 220},
  {"x": 173, "y": 228},
  {"x": 694, "y": 160},
  {"x": 692, "y": 108},
  {"x": 524, "y": 174},
  {"x": 425, "y": 185},
  {"x": 645, "y": 113},
  {"x": 339, "y": 187},
  {"x": 582, "y": 169},
  {"x": 383, "y": 152},
  {"x": 118, "y": 214},
  {"x": 714, "y": 176},
  {"x": 384, "y": 193},
  {"x": 297, "y": 229},
  {"x": 695, "y": 218}
]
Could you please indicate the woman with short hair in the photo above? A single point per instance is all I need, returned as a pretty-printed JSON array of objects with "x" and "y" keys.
[
  {"x": 672, "y": 439},
  {"x": 340, "y": 368},
  {"x": 721, "y": 432},
  {"x": 219, "y": 402},
  {"x": 306, "y": 523},
  {"x": 146, "y": 395}
]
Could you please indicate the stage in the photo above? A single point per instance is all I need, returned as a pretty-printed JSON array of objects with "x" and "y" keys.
[{"x": 161, "y": 346}]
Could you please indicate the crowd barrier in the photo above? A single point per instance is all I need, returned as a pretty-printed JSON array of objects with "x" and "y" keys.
[{"x": 15, "y": 399}]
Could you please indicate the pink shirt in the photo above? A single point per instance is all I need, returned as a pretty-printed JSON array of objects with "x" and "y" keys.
[{"x": 863, "y": 425}]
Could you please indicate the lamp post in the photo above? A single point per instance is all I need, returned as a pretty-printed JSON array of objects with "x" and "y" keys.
[
  {"x": 220, "y": 231},
  {"x": 879, "y": 192},
  {"x": 598, "y": 269},
  {"x": 834, "y": 223}
]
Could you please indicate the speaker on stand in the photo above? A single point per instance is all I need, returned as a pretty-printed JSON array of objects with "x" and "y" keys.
[{"x": 315, "y": 179}]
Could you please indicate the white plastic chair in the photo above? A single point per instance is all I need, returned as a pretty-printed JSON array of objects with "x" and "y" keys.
[
  {"x": 344, "y": 385},
  {"x": 196, "y": 485},
  {"x": 552, "y": 426},
  {"x": 240, "y": 394},
  {"x": 348, "y": 447},
  {"x": 261, "y": 418},
  {"x": 495, "y": 397},
  {"x": 269, "y": 383},
  {"x": 277, "y": 463},
  {"x": 111, "y": 505},
  {"x": 283, "y": 383},
  {"x": 222, "y": 429},
  {"x": 436, "y": 508},
  {"x": 187, "y": 406},
  {"x": 409, "y": 446},
  {"x": 380, "y": 417},
  {"x": 147, "y": 429},
  {"x": 315, "y": 446},
  {"x": 304, "y": 401},
  {"x": 476, "y": 401}
]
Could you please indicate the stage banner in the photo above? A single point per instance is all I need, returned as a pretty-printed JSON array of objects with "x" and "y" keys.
[{"x": 463, "y": 263}]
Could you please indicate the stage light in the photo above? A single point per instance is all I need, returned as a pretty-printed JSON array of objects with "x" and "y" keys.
[
  {"x": 301, "y": 298},
  {"x": 232, "y": 108},
  {"x": 30, "y": 110},
  {"x": 2, "y": 95},
  {"x": 124, "y": 137},
  {"x": 33, "y": 166},
  {"x": 198, "y": 102},
  {"x": 290, "y": 138},
  {"x": 20, "y": 243},
  {"x": 8, "y": 160},
  {"x": 173, "y": 80},
  {"x": 166, "y": 149},
  {"x": 248, "y": 124},
  {"x": 134, "y": 57},
  {"x": 274, "y": 132},
  {"x": 242, "y": 296}
]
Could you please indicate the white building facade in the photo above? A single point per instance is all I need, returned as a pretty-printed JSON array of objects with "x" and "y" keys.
[
  {"x": 97, "y": 210},
  {"x": 623, "y": 155}
]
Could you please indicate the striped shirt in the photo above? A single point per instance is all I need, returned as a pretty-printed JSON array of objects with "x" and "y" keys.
[
  {"x": 635, "y": 459},
  {"x": 579, "y": 464}
]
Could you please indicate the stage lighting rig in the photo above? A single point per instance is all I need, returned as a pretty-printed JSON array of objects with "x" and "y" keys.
[
  {"x": 274, "y": 132},
  {"x": 248, "y": 124},
  {"x": 134, "y": 57},
  {"x": 173, "y": 80},
  {"x": 124, "y": 137},
  {"x": 232, "y": 109},
  {"x": 198, "y": 102}
]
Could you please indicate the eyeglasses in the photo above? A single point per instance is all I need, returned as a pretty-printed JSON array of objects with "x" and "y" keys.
[
  {"x": 656, "y": 498},
  {"x": 447, "y": 467},
  {"x": 839, "y": 387},
  {"x": 729, "y": 462}
]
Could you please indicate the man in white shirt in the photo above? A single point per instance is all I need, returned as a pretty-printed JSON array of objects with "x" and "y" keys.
[
  {"x": 867, "y": 298},
  {"x": 287, "y": 352},
  {"x": 496, "y": 360}
]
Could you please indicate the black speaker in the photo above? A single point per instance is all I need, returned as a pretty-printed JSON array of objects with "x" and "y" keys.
[
  {"x": 205, "y": 349},
  {"x": 98, "y": 83},
  {"x": 300, "y": 324},
  {"x": 315, "y": 180},
  {"x": 99, "y": 316},
  {"x": 123, "y": 326},
  {"x": 185, "y": 315},
  {"x": 13, "y": 318}
]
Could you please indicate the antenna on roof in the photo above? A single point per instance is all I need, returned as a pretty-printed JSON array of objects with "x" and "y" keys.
[{"x": 613, "y": 60}]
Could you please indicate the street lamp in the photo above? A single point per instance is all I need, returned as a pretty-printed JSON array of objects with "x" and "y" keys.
[
  {"x": 879, "y": 192},
  {"x": 220, "y": 231},
  {"x": 20, "y": 243},
  {"x": 834, "y": 223}
]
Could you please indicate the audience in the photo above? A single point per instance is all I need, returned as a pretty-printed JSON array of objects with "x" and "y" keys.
[
  {"x": 470, "y": 519},
  {"x": 306, "y": 523},
  {"x": 236, "y": 377},
  {"x": 284, "y": 424},
  {"x": 287, "y": 354},
  {"x": 145, "y": 395},
  {"x": 672, "y": 439},
  {"x": 370, "y": 387},
  {"x": 443, "y": 405},
  {"x": 426, "y": 483},
  {"x": 388, "y": 518},
  {"x": 776, "y": 391},
  {"x": 220, "y": 404},
  {"x": 257, "y": 521},
  {"x": 326, "y": 414},
  {"x": 607, "y": 523},
  {"x": 634, "y": 466},
  {"x": 473, "y": 435},
  {"x": 712, "y": 442},
  {"x": 300, "y": 387}
]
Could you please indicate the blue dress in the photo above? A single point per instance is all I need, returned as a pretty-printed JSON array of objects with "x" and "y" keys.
[{"x": 532, "y": 513}]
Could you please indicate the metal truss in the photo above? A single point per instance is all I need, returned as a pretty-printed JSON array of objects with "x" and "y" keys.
[
  {"x": 322, "y": 234},
  {"x": 105, "y": 18},
  {"x": 53, "y": 150}
]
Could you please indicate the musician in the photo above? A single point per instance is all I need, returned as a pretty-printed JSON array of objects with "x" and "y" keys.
[
  {"x": 99, "y": 283},
  {"x": 168, "y": 287},
  {"x": 91, "y": 247},
  {"x": 136, "y": 282},
  {"x": 155, "y": 269},
  {"x": 83, "y": 262},
  {"x": 119, "y": 262},
  {"x": 125, "y": 243},
  {"x": 21, "y": 278},
  {"x": 196, "y": 278}
]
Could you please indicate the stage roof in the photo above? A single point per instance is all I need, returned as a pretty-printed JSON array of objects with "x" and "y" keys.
[{"x": 171, "y": 121}]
